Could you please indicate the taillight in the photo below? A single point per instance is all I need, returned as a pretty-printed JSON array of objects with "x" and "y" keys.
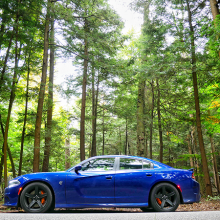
[{"x": 193, "y": 177}]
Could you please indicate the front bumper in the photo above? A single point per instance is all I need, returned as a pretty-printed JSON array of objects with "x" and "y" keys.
[{"x": 11, "y": 196}]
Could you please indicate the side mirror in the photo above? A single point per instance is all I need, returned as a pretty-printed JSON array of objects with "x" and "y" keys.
[{"x": 77, "y": 168}]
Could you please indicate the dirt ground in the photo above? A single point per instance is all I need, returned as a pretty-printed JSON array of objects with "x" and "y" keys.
[{"x": 202, "y": 206}]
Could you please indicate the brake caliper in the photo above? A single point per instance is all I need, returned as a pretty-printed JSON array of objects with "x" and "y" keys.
[
  {"x": 43, "y": 199},
  {"x": 158, "y": 201}
]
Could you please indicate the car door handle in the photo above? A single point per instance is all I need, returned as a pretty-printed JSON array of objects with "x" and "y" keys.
[
  {"x": 108, "y": 177},
  {"x": 148, "y": 174}
]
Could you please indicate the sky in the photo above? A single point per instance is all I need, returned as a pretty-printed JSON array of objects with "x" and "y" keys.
[{"x": 131, "y": 19}]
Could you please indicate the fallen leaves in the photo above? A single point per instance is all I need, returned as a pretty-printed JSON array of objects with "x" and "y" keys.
[{"x": 202, "y": 206}]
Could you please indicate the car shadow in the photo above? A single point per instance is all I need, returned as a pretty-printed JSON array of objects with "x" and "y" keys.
[
  {"x": 90, "y": 210},
  {"x": 117, "y": 210}
]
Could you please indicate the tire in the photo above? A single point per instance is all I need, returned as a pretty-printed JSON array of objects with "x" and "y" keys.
[
  {"x": 36, "y": 198},
  {"x": 165, "y": 198},
  {"x": 52, "y": 207}
]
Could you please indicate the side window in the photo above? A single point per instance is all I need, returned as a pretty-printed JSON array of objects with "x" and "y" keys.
[
  {"x": 99, "y": 164},
  {"x": 130, "y": 164},
  {"x": 147, "y": 164}
]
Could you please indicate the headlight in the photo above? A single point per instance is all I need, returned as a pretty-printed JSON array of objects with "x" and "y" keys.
[{"x": 14, "y": 183}]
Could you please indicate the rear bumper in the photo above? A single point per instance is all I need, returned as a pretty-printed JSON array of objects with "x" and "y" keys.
[
  {"x": 192, "y": 195},
  {"x": 196, "y": 199}
]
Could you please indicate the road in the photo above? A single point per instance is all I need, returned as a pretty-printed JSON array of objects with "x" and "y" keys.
[{"x": 93, "y": 215}]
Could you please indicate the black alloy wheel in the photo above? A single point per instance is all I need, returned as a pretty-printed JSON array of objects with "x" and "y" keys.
[
  {"x": 36, "y": 198},
  {"x": 165, "y": 198}
]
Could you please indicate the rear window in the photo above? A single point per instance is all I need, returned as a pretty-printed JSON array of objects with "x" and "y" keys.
[{"x": 134, "y": 164}]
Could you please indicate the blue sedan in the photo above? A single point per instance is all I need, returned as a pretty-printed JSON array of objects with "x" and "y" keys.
[{"x": 105, "y": 181}]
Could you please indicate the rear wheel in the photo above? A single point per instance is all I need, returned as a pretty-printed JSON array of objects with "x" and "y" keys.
[
  {"x": 36, "y": 198},
  {"x": 165, "y": 198}
]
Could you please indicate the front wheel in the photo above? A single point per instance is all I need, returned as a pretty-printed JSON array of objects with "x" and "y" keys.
[
  {"x": 165, "y": 198},
  {"x": 36, "y": 198}
]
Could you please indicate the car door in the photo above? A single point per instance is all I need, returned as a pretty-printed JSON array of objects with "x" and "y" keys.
[
  {"x": 93, "y": 184},
  {"x": 133, "y": 180}
]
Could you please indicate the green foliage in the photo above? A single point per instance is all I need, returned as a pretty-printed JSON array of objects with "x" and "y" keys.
[{"x": 213, "y": 198}]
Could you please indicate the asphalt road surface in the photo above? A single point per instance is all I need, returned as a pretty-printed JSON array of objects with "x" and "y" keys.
[{"x": 93, "y": 215}]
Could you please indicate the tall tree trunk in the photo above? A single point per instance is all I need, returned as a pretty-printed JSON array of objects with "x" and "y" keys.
[
  {"x": 197, "y": 163},
  {"x": 6, "y": 132},
  {"x": 9, "y": 153},
  {"x": 2, "y": 156},
  {"x": 140, "y": 119},
  {"x": 159, "y": 122},
  {"x": 103, "y": 130},
  {"x": 119, "y": 131},
  {"x": 67, "y": 154},
  {"x": 90, "y": 145},
  {"x": 93, "y": 148},
  {"x": 12, "y": 97},
  {"x": 12, "y": 161},
  {"x": 141, "y": 100},
  {"x": 146, "y": 146},
  {"x": 1, "y": 164},
  {"x": 215, "y": 164},
  {"x": 214, "y": 8},
  {"x": 25, "y": 118},
  {"x": 126, "y": 137},
  {"x": 83, "y": 106},
  {"x": 169, "y": 157},
  {"x": 36, "y": 159},
  {"x": 50, "y": 102},
  {"x": 151, "y": 120},
  {"x": 194, "y": 147},
  {"x": 197, "y": 107},
  {"x": 129, "y": 149},
  {"x": 94, "y": 113},
  {"x": 190, "y": 150}
]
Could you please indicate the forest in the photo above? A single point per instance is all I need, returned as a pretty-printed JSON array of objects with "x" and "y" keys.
[{"x": 154, "y": 95}]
